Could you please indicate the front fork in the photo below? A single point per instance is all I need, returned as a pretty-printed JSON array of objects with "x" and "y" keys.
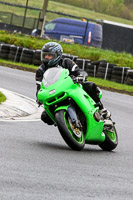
[{"x": 72, "y": 114}]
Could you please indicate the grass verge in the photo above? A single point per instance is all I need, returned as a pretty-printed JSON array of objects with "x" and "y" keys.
[
  {"x": 18, "y": 65},
  {"x": 104, "y": 84},
  {"x": 2, "y": 97},
  {"x": 112, "y": 86}
]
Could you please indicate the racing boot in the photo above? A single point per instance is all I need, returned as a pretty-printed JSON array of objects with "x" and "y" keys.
[{"x": 105, "y": 113}]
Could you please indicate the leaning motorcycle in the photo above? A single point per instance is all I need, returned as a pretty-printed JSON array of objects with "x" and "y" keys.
[{"x": 74, "y": 112}]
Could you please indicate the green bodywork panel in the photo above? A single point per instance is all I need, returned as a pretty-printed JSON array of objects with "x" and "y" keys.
[{"x": 65, "y": 88}]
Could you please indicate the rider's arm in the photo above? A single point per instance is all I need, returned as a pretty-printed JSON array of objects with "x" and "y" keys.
[
  {"x": 39, "y": 74},
  {"x": 71, "y": 66},
  {"x": 39, "y": 77},
  {"x": 74, "y": 69}
]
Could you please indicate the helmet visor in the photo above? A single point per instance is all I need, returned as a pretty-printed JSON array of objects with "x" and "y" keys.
[{"x": 48, "y": 56}]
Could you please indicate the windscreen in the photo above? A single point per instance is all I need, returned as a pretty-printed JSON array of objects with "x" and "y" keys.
[{"x": 51, "y": 76}]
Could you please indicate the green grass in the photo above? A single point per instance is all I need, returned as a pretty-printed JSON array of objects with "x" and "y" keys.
[
  {"x": 111, "y": 85},
  {"x": 59, "y": 7},
  {"x": 2, "y": 98},
  {"x": 19, "y": 65}
]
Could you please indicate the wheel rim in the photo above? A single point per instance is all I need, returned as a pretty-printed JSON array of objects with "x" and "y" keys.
[{"x": 75, "y": 132}]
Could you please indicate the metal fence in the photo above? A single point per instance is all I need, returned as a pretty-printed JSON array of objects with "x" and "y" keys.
[
  {"x": 31, "y": 23},
  {"x": 13, "y": 19}
]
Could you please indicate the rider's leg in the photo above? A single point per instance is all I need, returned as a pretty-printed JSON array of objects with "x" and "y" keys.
[{"x": 92, "y": 89}]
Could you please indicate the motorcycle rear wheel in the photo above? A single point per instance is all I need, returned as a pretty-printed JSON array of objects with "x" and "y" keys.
[
  {"x": 111, "y": 140},
  {"x": 73, "y": 140}
]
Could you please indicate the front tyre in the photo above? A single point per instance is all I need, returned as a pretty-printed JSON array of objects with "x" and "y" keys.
[
  {"x": 72, "y": 136},
  {"x": 111, "y": 140}
]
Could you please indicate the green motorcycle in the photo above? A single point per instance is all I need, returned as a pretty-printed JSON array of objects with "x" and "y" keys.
[{"x": 74, "y": 112}]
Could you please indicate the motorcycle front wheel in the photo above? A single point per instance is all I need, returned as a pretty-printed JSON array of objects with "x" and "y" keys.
[
  {"x": 111, "y": 140},
  {"x": 74, "y": 137}
]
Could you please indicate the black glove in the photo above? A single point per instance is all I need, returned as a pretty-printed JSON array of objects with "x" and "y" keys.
[
  {"x": 78, "y": 79},
  {"x": 81, "y": 79}
]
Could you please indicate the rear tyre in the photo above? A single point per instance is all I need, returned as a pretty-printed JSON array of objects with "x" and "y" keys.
[
  {"x": 111, "y": 140},
  {"x": 74, "y": 137}
]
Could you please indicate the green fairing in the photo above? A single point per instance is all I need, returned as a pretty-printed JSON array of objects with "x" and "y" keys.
[{"x": 65, "y": 88}]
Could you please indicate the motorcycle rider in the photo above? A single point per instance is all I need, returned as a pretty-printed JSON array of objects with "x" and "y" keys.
[{"x": 51, "y": 56}]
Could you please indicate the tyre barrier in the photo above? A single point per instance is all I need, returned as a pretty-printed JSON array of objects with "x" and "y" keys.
[
  {"x": 12, "y": 53},
  {"x": 83, "y": 63},
  {"x": 105, "y": 71},
  {"x": 15, "y": 53},
  {"x": 27, "y": 56},
  {"x": 80, "y": 63},
  {"x": 119, "y": 74},
  {"x": 37, "y": 57},
  {"x": 93, "y": 67},
  {"x": 100, "y": 69},
  {"x": 72, "y": 57},
  {"x": 129, "y": 77},
  {"x": 91, "y": 70},
  {"x": 4, "y": 51}
]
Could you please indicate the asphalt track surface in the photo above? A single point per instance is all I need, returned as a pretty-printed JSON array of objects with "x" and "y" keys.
[{"x": 36, "y": 164}]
